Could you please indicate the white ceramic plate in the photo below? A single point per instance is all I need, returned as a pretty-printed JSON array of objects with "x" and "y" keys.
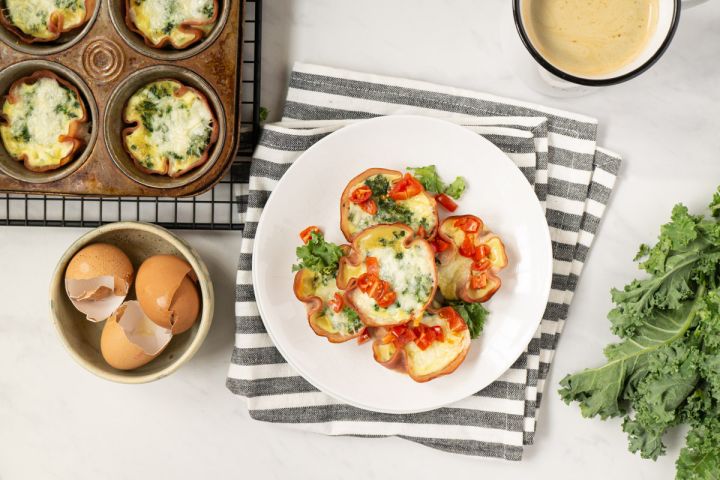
[{"x": 309, "y": 194}]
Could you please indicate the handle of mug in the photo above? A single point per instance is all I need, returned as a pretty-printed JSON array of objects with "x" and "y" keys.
[{"x": 692, "y": 3}]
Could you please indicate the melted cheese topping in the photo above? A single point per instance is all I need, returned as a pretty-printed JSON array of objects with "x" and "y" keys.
[
  {"x": 173, "y": 132},
  {"x": 410, "y": 272},
  {"x": 439, "y": 354},
  {"x": 42, "y": 113},
  {"x": 327, "y": 319},
  {"x": 422, "y": 211},
  {"x": 160, "y": 19},
  {"x": 452, "y": 274},
  {"x": 32, "y": 16}
]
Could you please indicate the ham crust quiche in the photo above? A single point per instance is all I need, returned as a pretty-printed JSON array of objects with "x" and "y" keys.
[
  {"x": 328, "y": 312},
  {"x": 44, "y": 20},
  {"x": 42, "y": 121},
  {"x": 469, "y": 258},
  {"x": 381, "y": 196},
  {"x": 177, "y": 23},
  {"x": 434, "y": 347},
  {"x": 173, "y": 128},
  {"x": 389, "y": 275}
]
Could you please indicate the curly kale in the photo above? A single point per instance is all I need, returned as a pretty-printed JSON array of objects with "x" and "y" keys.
[
  {"x": 432, "y": 182},
  {"x": 665, "y": 371},
  {"x": 319, "y": 256}
]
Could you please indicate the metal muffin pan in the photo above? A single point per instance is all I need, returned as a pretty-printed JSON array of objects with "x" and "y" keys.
[
  {"x": 11, "y": 167},
  {"x": 108, "y": 62}
]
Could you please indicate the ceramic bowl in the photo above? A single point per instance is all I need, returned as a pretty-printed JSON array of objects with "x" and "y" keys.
[{"x": 82, "y": 337}]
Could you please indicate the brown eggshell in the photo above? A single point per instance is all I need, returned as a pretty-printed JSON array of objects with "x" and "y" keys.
[
  {"x": 102, "y": 259},
  {"x": 130, "y": 340},
  {"x": 97, "y": 279},
  {"x": 185, "y": 306},
  {"x": 164, "y": 294}
]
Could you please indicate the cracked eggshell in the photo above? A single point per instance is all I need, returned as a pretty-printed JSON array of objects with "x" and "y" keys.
[
  {"x": 166, "y": 289},
  {"x": 130, "y": 339},
  {"x": 97, "y": 279}
]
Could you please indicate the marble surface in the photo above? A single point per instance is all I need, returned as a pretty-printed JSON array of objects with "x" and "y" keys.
[{"x": 59, "y": 421}]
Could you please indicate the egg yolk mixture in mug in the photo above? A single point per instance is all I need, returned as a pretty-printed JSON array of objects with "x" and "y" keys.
[{"x": 590, "y": 38}]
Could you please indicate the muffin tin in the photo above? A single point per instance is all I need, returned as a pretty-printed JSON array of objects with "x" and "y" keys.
[{"x": 107, "y": 63}]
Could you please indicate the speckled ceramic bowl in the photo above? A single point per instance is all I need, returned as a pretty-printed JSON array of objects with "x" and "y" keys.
[{"x": 82, "y": 337}]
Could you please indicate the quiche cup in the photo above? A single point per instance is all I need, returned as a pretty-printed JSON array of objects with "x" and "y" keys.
[
  {"x": 35, "y": 21},
  {"x": 456, "y": 270},
  {"x": 439, "y": 358},
  {"x": 403, "y": 262},
  {"x": 165, "y": 115},
  {"x": 419, "y": 211},
  {"x": 178, "y": 30},
  {"x": 67, "y": 113},
  {"x": 318, "y": 295}
]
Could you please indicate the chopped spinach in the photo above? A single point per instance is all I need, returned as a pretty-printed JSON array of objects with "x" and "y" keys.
[
  {"x": 379, "y": 185},
  {"x": 198, "y": 143},
  {"x": 354, "y": 323},
  {"x": 22, "y": 133},
  {"x": 72, "y": 5},
  {"x": 208, "y": 10}
]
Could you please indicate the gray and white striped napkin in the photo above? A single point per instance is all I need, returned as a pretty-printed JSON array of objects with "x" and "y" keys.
[{"x": 573, "y": 179}]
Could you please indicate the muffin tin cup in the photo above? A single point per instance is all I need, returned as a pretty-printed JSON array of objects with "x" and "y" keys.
[
  {"x": 15, "y": 168},
  {"x": 114, "y": 124},
  {"x": 65, "y": 41},
  {"x": 135, "y": 40}
]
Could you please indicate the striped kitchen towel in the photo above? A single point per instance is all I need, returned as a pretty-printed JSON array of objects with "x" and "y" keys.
[{"x": 573, "y": 179}]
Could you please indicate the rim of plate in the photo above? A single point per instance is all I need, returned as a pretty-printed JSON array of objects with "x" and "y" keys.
[{"x": 470, "y": 390}]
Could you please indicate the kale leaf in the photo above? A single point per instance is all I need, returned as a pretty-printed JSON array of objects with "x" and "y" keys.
[
  {"x": 319, "y": 256},
  {"x": 665, "y": 371},
  {"x": 474, "y": 315},
  {"x": 432, "y": 182}
]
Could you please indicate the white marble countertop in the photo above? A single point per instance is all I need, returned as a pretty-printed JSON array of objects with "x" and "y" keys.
[{"x": 59, "y": 421}]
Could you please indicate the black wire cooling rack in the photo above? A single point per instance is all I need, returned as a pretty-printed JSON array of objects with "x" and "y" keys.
[{"x": 217, "y": 209}]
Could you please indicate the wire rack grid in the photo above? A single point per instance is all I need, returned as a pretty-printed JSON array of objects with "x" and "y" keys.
[{"x": 216, "y": 209}]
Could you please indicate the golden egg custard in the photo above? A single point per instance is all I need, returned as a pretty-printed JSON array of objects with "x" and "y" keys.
[
  {"x": 44, "y": 20},
  {"x": 41, "y": 121},
  {"x": 176, "y": 23},
  {"x": 173, "y": 128}
]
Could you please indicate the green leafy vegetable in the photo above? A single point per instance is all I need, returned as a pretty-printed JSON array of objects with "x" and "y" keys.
[
  {"x": 432, "y": 182},
  {"x": 319, "y": 256},
  {"x": 263, "y": 113},
  {"x": 354, "y": 323},
  {"x": 700, "y": 459},
  {"x": 474, "y": 315},
  {"x": 379, "y": 185},
  {"x": 665, "y": 371},
  {"x": 389, "y": 211}
]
